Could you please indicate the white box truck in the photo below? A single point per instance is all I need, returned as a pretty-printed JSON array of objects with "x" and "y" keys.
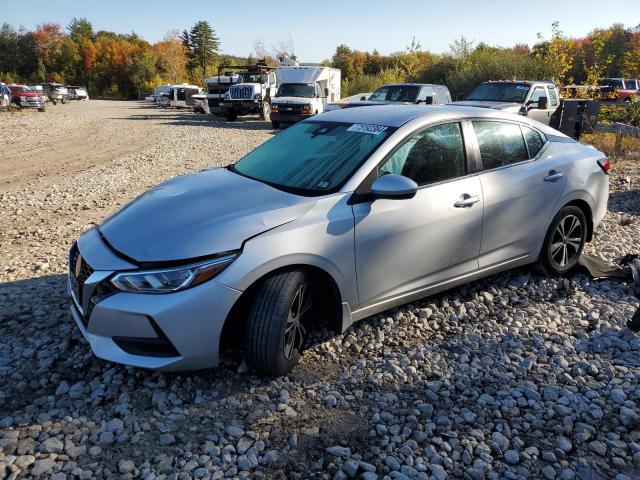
[{"x": 303, "y": 92}]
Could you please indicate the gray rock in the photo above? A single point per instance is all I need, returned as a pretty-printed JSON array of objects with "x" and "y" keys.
[
  {"x": 351, "y": 467},
  {"x": 42, "y": 466},
  {"x": 512, "y": 457},
  {"x": 339, "y": 451},
  {"x": 52, "y": 445},
  {"x": 167, "y": 439},
  {"x": 598, "y": 447},
  {"x": 126, "y": 466}
]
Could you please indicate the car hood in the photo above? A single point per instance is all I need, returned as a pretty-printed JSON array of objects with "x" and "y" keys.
[
  {"x": 292, "y": 100},
  {"x": 505, "y": 106},
  {"x": 197, "y": 215}
]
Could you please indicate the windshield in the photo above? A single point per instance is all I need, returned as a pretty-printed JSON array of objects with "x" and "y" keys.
[
  {"x": 19, "y": 89},
  {"x": 500, "y": 92},
  {"x": 395, "y": 93},
  {"x": 296, "y": 90},
  {"x": 249, "y": 78},
  {"x": 313, "y": 158}
]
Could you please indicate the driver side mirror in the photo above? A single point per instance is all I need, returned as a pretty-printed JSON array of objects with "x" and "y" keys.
[
  {"x": 428, "y": 101},
  {"x": 394, "y": 187},
  {"x": 543, "y": 103},
  {"x": 459, "y": 97}
]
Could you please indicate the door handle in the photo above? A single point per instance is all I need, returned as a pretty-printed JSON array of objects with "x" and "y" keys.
[
  {"x": 466, "y": 200},
  {"x": 553, "y": 176}
]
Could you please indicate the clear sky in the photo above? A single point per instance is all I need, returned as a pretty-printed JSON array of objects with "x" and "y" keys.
[{"x": 317, "y": 27}]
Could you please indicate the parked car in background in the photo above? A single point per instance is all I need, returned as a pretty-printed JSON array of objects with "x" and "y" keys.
[
  {"x": 5, "y": 96},
  {"x": 217, "y": 86},
  {"x": 337, "y": 218},
  {"x": 157, "y": 92},
  {"x": 403, "y": 93},
  {"x": 78, "y": 93},
  {"x": 56, "y": 92},
  {"x": 535, "y": 99},
  {"x": 303, "y": 91},
  {"x": 181, "y": 96},
  {"x": 24, "y": 97},
  {"x": 624, "y": 88},
  {"x": 256, "y": 87},
  {"x": 200, "y": 104}
]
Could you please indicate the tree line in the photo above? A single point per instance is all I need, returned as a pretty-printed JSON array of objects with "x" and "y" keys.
[
  {"x": 109, "y": 64},
  {"x": 122, "y": 65},
  {"x": 609, "y": 52}
]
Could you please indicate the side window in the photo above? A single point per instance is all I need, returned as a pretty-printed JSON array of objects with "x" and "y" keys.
[
  {"x": 424, "y": 93},
  {"x": 534, "y": 141},
  {"x": 430, "y": 156},
  {"x": 553, "y": 98},
  {"x": 537, "y": 93},
  {"x": 500, "y": 144}
]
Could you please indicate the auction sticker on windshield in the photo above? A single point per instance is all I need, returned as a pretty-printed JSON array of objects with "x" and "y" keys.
[{"x": 364, "y": 128}]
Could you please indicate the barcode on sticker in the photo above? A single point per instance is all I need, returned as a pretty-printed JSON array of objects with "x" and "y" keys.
[{"x": 365, "y": 128}]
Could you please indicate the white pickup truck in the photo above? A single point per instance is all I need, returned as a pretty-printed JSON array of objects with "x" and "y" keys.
[
  {"x": 303, "y": 92},
  {"x": 535, "y": 99}
]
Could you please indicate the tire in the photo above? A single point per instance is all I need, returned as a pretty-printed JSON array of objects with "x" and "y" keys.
[
  {"x": 277, "y": 323},
  {"x": 564, "y": 241},
  {"x": 55, "y": 102},
  {"x": 265, "y": 110},
  {"x": 232, "y": 115},
  {"x": 41, "y": 109},
  {"x": 275, "y": 124},
  {"x": 64, "y": 101}
]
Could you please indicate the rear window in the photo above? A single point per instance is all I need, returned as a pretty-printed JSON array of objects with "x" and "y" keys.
[
  {"x": 500, "y": 92},
  {"x": 396, "y": 93}
]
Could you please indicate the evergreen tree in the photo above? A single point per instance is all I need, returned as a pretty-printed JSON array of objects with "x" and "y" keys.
[
  {"x": 203, "y": 46},
  {"x": 80, "y": 29}
]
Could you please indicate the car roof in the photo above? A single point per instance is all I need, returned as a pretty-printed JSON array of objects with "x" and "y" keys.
[{"x": 398, "y": 115}]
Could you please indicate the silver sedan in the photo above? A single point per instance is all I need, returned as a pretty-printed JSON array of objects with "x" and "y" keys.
[{"x": 333, "y": 220}]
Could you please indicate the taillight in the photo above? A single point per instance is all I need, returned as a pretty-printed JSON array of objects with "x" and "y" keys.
[{"x": 605, "y": 165}]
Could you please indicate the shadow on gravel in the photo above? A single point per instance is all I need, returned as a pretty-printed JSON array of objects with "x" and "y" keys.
[
  {"x": 625, "y": 201},
  {"x": 173, "y": 117}
]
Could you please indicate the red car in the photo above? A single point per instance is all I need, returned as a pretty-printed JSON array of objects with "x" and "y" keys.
[
  {"x": 625, "y": 88},
  {"x": 23, "y": 97}
]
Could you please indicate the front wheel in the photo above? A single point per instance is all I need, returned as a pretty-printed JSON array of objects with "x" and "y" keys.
[
  {"x": 278, "y": 322},
  {"x": 265, "y": 111},
  {"x": 564, "y": 241}
]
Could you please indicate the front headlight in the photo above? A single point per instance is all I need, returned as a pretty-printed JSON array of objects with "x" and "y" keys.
[
  {"x": 171, "y": 279},
  {"x": 257, "y": 96}
]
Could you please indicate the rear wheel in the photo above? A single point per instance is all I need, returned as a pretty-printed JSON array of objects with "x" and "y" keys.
[
  {"x": 564, "y": 241},
  {"x": 278, "y": 322}
]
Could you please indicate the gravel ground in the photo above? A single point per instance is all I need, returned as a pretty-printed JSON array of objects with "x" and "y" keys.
[{"x": 515, "y": 376}]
